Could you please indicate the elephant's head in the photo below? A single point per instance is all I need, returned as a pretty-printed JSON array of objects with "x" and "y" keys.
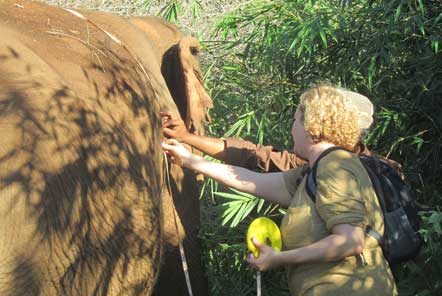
[{"x": 181, "y": 70}]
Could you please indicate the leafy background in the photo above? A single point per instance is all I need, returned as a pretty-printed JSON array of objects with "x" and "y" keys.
[{"x": 260, "y": 56}]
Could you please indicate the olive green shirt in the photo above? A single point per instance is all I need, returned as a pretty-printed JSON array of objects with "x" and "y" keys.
[{"x": 344, "y": 195}]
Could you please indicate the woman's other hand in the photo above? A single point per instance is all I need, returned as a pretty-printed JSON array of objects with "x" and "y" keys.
[
  {"x": 177, "y": 152},
  {"x": 174, "y": 127},
  {"x": 268, "y": 257}
]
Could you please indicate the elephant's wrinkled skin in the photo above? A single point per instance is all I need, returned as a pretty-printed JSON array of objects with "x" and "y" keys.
[{"x": 81, "y": 169}]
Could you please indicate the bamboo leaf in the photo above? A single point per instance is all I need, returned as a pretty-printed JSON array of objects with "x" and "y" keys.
[
  {"x": 238, "y": 215},
  {"x": 436, "y": 46},
  {"x": 323, "y": 37},
  {"x": 247, "y": 195},
  {"x": 397, "y": 13},
  {"x": 421, "y": 7},
  {"x": 292, "y": 45},
  {"x": 196, "y": 11},
  {"x": 229, "y": 216},
  {"x": 371, "y": 70},
  {"x": 251, "y": 205},
  {"x": 260, "y": 205},
  {"x": 232, "y": 196}
]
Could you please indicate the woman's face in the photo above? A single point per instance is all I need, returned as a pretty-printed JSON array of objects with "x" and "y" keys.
[{"x": 301, "y": 138}]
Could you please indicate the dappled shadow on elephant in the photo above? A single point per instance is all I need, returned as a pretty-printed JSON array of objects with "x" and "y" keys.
[
  {"x": 81, "y": 168},
  {"x": 25, "y": 278},
  {"x": 80, "y": 186}
]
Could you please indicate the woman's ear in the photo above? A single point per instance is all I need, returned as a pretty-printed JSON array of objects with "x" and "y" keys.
[{"x": 198, "y": 100}]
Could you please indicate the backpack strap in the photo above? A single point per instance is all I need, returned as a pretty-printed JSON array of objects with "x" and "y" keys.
[
  {"x": 373, "y": 233},
  {"x": 310, "y": 184}
]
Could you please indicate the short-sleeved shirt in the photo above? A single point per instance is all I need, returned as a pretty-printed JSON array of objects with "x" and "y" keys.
[{"x": 344, "y": 195}]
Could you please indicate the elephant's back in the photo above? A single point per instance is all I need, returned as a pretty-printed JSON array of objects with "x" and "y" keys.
[{"x": 80, "y": 163}]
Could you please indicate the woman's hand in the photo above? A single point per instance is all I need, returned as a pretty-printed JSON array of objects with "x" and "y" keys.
[
  {"x": 268, "y": 257},
  {"x": 174, "y": 127},
  {"x": 177, "y": 152}
]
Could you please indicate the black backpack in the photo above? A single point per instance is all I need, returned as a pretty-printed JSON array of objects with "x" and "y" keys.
[{"x": 401, "y": 241}]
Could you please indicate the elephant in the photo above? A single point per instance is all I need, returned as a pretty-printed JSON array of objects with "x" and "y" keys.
[{"x": 84, "y": 205}]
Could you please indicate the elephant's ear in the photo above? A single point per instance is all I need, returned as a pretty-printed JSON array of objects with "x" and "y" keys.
[{"x": 198, "y": 100}]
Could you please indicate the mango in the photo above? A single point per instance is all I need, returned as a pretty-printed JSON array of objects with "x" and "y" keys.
[{"x": 265, "y": 231}]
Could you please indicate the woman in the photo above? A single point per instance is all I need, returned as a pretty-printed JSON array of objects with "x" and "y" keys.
[{"x": 325, "y": 246}]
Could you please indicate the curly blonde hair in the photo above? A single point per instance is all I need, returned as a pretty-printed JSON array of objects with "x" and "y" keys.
[{"x": 328, "y": 116}]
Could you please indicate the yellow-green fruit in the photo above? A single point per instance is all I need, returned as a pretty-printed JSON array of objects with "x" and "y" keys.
[{"x": 265, "y": 231}]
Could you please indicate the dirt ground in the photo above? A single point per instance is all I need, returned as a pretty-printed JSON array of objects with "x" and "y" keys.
[
  {"x": 201, "y": 27},
  {"x": 210, "y": 10},
  {"x": 122, "y": 7}
]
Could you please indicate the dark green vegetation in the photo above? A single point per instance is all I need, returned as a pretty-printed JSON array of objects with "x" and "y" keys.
[{"x": 270, "y": 51}]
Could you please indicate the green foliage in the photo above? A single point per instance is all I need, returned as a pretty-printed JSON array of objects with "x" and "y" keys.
[
  {"x": 423, "y": 277},
  {"x": 225, "y": 251},
  {"x": 174, "y": 10},
  {"x": 229, "y": 273},
  {"x": 240, "y": 206},
  {"x": 268, "y": 52},
  {"x": 170, "y": 11}
]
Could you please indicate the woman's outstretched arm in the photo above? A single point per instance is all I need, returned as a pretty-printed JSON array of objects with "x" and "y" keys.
[{"x": 269, "y": 186}]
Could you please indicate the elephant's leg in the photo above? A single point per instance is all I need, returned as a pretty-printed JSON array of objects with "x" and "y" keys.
[{"x": 185, "y": 196}]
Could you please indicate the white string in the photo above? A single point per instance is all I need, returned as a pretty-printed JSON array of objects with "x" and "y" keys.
[{"x": 182, "y": 253}]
